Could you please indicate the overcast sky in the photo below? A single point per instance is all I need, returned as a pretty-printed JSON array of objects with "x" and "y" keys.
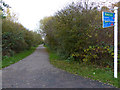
[{"x": 31, "y": 11}]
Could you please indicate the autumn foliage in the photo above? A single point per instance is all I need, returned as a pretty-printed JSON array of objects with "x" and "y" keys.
[
  {"x": 15, "y": 37},
  {"x": 76, "y": 33}
]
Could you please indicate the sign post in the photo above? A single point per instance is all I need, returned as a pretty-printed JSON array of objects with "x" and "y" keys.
[
  {"x": 109, "y": 20},
  {"x": 115, "y": 41}
]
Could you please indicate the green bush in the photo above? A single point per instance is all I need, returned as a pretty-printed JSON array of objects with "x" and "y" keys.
[
  {"x": 102, "y": 56},
  {"x": 16, "y": 38},
  {"x": 76, "y": 33}
]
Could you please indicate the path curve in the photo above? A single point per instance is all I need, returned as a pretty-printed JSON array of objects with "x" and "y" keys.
[{"x": 35, "y": 71}]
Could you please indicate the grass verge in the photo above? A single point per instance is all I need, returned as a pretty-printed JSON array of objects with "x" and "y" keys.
[
  {"x": 104, "y": 75},
  {"x": 17, "y": 57}
]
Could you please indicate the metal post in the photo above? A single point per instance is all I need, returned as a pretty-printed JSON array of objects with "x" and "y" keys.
[{"x": 115, "y": 41}]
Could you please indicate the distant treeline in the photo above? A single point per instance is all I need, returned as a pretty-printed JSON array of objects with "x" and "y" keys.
[
  {"x": 15, "y": 37},
  {"x": 76, "y": 33}
]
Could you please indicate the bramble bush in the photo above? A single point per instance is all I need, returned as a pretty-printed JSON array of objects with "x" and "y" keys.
[
  {"x": 99, "y": 55},
  {"x": 16, "y": 38},
  {"x": 76, "y": 33}
]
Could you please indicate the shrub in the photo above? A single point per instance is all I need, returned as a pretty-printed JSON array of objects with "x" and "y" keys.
[
  {"x": 76, "y": 33},
  {"x": 102, "y": 56},
  {"x": 16, "y": 38}
]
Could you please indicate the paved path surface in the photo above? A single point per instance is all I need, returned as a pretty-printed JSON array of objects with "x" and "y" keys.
[{"x": 35, "y": 71}]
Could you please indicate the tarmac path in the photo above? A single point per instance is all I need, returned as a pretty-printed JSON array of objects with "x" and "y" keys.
[{"x": 35, "y": 71}]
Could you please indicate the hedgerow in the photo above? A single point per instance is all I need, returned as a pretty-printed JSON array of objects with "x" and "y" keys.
[
  {"x": 16, "y": 38},
  {"x": 76, "y": 33}
]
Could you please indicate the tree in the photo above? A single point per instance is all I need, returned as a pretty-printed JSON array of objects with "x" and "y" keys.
[
  {"x": 11, "y": 16},
  {"x": 104, "y": 8},
  {"x": 76, "y": 33},
  {"x": 2, "y": 6}
]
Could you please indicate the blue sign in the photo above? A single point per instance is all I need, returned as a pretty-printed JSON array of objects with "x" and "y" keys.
[
  {"x": 108, "y": 24},
  {"x": 108, "y": 19}
]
